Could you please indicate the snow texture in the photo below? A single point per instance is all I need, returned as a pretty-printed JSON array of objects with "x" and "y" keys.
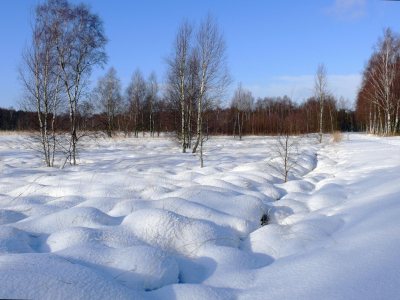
[{"x": 137, "y": 219}]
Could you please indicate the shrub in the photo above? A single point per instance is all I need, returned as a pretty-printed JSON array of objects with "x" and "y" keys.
[{"x": 337, "y": 136}]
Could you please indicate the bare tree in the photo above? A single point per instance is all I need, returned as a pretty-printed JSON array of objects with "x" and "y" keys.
[
  {"x": 79, "y": 40},
  {"x": 192, "y": 95},
  {"x": 177, "y": 69},
  {"x": 136, "y": 94},
  {"x": 152, "y": 91},
  {"x": 380, "y": 74},
  {"x": 213, "y": 74},
  {"x": 39, "y": 74},
  {"x": 86, "y": 111},
  {"x": 242, "y": 103},
  {"x": 107, "y": 95},
  {"x": 321, "y": 91},
  {"x": 285, "y": 154},
  {"x": 331, "y": 103}
]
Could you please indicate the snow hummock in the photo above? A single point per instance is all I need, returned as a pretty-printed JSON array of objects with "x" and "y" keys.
[{"x": 138, "y": 219}]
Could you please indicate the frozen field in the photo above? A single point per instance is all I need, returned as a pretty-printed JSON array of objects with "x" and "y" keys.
[{"x": 137, "y": 219}]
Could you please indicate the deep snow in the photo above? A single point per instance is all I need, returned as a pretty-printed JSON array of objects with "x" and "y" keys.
[{"x": 138, "y": 219}]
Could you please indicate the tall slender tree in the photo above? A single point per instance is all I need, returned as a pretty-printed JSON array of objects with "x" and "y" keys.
[
  {"x": 136, "y": 94},
  {"x": 152, "y": 91},
  {"x": 177, "y": 72},
  {"x": 242, "y": 103},
  {"x": 213, "y": 73},
  {"x": 39, "y": 74},
  {"x": 321, "y": 91},
  {"x": 107, "y": 95}
]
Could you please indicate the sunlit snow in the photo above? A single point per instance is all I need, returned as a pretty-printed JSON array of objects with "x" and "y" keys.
[{"x": 138, "y": 219}]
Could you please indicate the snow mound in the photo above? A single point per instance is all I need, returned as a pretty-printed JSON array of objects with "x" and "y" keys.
[
  {"x": 13, "y": 240},
  {"x": 295, "y": 186},
  {"x": 137, "y": 268},
  {"x": 188, "y": 209},
  {"x": 10, "y": 216},
  {"x": 329, "y": 195},
  {"x": 228, "y": 201},
  {"x": 77, "y": 216},
  {"x": 173, "y": 233},
  {"x": 280, "y": 241},
  {"x": 45, "y": 276},
  {"x": 116, "y": 237}
]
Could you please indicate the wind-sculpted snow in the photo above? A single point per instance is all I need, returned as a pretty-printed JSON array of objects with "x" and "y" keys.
[
  {"x": 138, "y": 219},
  {"x": 134, "y": 267},
  {"x": 173, "y": 233}
]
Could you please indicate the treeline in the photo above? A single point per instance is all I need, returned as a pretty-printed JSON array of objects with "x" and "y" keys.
[
  {"x": 264, "y": 116},
  {"x": 13, "y": 120},
  {"x": 378, "y": 98}
]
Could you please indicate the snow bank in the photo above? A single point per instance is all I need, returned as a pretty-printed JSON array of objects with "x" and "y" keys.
[{"x": 46, "y": 276}]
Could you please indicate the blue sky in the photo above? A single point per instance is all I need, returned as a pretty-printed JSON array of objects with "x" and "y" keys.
[{"x": 273, "y": 46}]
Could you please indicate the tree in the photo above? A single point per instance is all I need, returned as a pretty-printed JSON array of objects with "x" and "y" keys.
[
  {"x": 152, "y": 91},
  {"x": 331, "y": 103},
  {"x": 107, "y": 95},
  {"x": 242, "y": 103},
  {"x": 192, "y": 95},
  {"x": 39, "y": 74},
  {"x": 177, "y": 72},
  {"x": 78, "y": 38},
  {"x": 86, "y": 112},
  {"x": 285, "y": 153},
  {"x": 321, "y": 91},
  {"x": 380, "y": 81},
  {"x": 136, "y": 94},
  {"x": 213, "y": 72}
]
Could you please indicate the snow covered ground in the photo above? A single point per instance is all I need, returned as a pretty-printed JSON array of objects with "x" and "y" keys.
[{"x": 137, "y": 219}]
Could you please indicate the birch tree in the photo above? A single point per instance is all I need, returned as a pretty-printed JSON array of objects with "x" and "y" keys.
[
  {"x": 321, "y": 90},
  {"x": 79, "y": 41},
  {"x": 136, "y": 94},
  {"x": 107, "y": 95},
  {"x": 177, "y": 72},
  {"x": 242, "y": 102},
  {"x": 39, "y": 75},
  {"x": 213, "y": 74},
  {"x": 285, "y": 153},
  {"x": 192, "y": 95},
  {"x": 152, "y": 91},
  {"x": 381, "y": 73}
]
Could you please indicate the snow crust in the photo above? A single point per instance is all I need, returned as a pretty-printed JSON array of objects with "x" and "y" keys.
[{"x": 138, "y": 219}]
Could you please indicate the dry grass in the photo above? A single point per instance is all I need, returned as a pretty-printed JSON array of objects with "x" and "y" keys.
[
  {"x": 337, "y": 136},
  {"x": 9, "y": 132}
]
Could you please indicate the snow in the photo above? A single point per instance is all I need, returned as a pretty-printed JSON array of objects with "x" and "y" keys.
[{"x": 138, "y": 219}]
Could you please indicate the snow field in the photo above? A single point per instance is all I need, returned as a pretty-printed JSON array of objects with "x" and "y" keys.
[{"x": 138, "y": 219}]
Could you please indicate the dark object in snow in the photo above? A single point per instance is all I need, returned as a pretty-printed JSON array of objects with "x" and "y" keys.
[{"x": 264, "y": 220}]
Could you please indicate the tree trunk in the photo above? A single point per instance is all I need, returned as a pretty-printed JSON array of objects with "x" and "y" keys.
[
  {"x": 396, "y": 123},
  {"x": 320, "y": 121}
]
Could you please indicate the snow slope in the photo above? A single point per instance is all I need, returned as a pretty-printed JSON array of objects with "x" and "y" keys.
[{"x": 138, "y": 219}]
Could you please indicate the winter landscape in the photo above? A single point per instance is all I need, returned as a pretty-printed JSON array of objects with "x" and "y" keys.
[
  {"x": 138, "y": 219},
  {"x": 199, "y": 150}
]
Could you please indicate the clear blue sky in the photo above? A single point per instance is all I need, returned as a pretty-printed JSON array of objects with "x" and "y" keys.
[{"x": 272, "y": 45}]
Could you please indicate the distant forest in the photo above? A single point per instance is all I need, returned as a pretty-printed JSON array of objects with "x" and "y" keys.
[
  {"x": 263, "y": 117},
  {"x": 13, "y": 120}
]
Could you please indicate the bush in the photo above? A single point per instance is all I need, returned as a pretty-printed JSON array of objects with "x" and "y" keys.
[{"x": 337, "y": 136}]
